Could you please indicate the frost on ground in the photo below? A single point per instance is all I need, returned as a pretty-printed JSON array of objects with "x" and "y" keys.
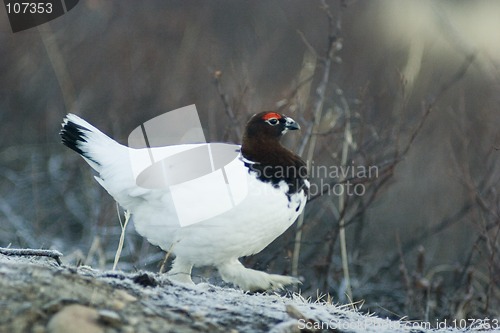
[{"x": 39, "y": 295}]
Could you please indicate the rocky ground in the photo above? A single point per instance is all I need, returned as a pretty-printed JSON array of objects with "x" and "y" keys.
[{"x": 38, "y": 294}]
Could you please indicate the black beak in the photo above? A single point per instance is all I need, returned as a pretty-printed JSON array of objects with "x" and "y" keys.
[{"x": 291, "y": 124}]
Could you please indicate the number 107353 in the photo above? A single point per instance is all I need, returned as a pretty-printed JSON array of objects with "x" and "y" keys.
[{"x": 29, "y": 8}]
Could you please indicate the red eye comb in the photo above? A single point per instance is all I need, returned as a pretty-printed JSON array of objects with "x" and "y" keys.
[{"x": 270, "y": 115}]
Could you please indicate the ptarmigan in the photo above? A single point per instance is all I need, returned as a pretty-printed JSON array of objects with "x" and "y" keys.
[{"x": 276, "y": 194}]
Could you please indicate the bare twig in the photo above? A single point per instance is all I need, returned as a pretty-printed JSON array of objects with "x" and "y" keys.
[
  {"x": 417, "y": 240},
  {"x": 96, "y": 249},
  {"x": 54, "y": 254},
  {"x": 491, "y": 266},
  {"x": 225, "y": 102},
  {"x": 402, "y": 266},
  {"x": 59, "y": 65},
  {"x": 123, "y": 226},
  {"x": 342, "y": 203},
  {"x": 317, "y": 112},
  {"x": 287, "y": 102},
  {"x": 443, "y": 89},
  {"x": 306, "y": 42},
  {"x": 333, "y": 45},
  {"x": 17, "y": 221}
]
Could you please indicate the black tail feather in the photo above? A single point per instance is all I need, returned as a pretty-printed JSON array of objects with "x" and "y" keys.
[{"x": 73, "y": 135}]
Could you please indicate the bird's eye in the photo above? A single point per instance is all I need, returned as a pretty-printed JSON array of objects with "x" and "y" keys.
[{"x": 272, "y": 121}]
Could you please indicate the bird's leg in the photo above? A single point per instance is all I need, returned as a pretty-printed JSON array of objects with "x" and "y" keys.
[
  {"x": 180, "y": 271},
  {"x": 248, "y": 279}
]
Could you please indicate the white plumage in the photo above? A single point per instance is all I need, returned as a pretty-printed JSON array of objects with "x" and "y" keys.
[{"x": 264, "y": 214}]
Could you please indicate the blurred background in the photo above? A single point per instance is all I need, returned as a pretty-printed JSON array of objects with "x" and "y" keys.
[{"x": 411, "y": 88}]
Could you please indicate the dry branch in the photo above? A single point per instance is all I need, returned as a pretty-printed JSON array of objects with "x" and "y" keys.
[
  {"x": 56, "y": 255},
  {"x": 227, "y": 106},
  {"x": 334, "y": 44}
]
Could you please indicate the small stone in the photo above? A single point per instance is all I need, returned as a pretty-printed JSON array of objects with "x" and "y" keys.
[
  {"x": 76, "y": 319},
  {"x": 56, "y": 305},
  {"x": 124, "y": 296},
  {"x": 38, "y": 329},
  {"x": 145, "y": 280},
  {"x": 128, "y": 330},
  {"x": 117, "y": 305},
  {"x": 294, "y": 312},
  {"x": 120, "y": 299},
  {"x": 110, "y": 318}
]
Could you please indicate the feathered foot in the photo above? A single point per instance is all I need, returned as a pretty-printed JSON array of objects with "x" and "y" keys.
[{"x": 249, "y": 279}]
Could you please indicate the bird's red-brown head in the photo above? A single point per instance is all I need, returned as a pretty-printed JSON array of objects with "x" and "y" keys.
[
  {"x": 268, "y": 125},
  {"x": 266, "y": 155}
]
